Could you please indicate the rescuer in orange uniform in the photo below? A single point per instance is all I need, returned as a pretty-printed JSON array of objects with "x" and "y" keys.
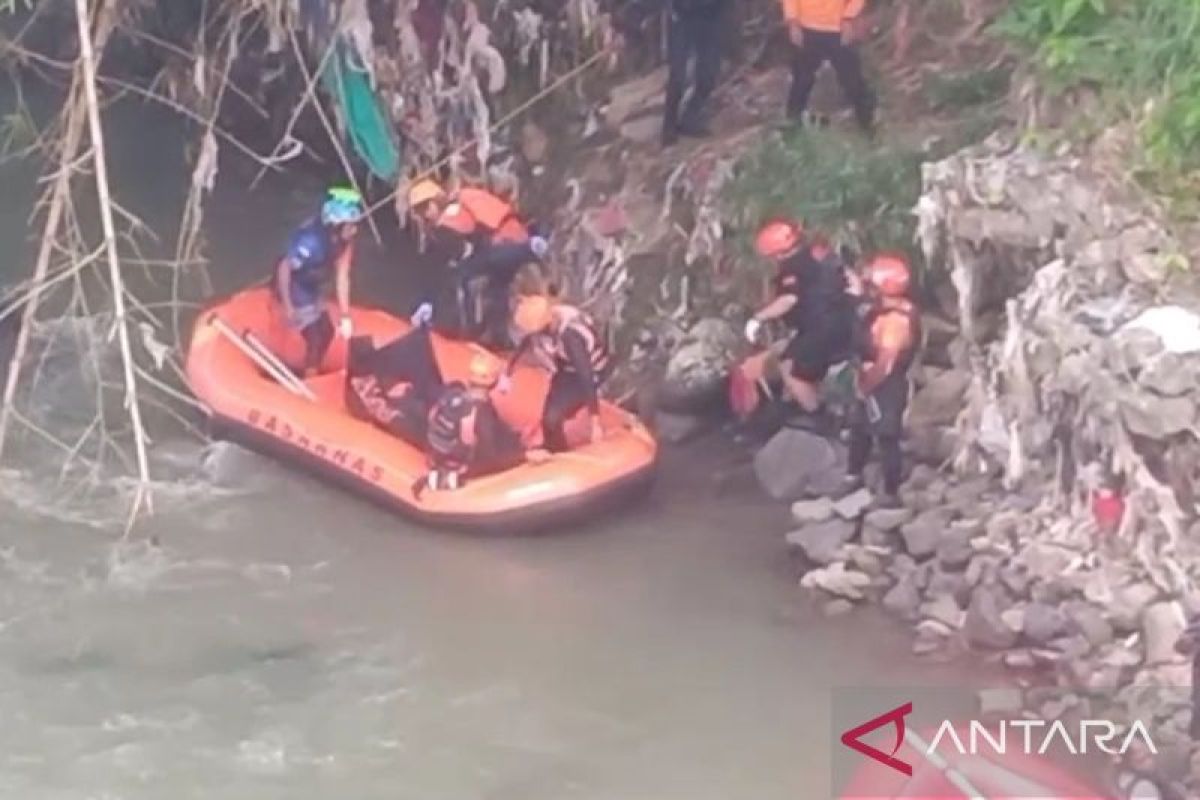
[
  {"x": 483, "y": 237},
  {"x": 821, "y": 31},
  {"x": 886, "y": 343}
]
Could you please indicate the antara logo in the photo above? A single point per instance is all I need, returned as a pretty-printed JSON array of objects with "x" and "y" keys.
[
  {"x": 1026, "y": 736},
  {"x": 853, "y": 738}
]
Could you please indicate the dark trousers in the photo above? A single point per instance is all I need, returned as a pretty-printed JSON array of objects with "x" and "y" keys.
[
  {"x": 318, "y": 336},
  {"x": 818, "y": 48},
  {"x": 497, "y": 267},
  {"x": 698, "y": 36},
  {"x": 567, "y": 395},
  {"x": 891, "y": 398}
]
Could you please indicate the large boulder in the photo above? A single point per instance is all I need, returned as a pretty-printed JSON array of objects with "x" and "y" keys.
[
  {"x": 940, "y": 400},
  {"x": 796, "y": 463},
  {"x": 698, "y": 369}
]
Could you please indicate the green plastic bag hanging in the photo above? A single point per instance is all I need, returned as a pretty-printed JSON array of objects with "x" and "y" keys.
[{"x": 367, "y": 126}]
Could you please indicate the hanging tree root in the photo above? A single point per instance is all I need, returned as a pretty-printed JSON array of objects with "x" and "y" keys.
[{"x": 87, "y": 58}]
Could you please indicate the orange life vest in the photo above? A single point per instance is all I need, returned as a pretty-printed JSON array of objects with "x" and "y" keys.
[
  {"x": 474, "y": 212},
  {"x": 597, "y": 347},
  {"x": 894, "y": 324}
]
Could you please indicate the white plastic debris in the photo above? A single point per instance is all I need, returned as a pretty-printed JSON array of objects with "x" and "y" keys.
[{"x": 1176, "y": 327}]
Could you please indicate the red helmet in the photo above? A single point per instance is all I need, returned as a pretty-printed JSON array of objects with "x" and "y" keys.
[
  {"x": 778, "y": 238},
  {"x": 889, "y": 273}
]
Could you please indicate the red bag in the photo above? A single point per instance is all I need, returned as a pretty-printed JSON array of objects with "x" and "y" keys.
[{"x": 743, "y": 392}]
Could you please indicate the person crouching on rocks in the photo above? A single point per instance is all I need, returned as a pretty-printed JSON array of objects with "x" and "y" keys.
[
  {"x": 811, "y": 300},
  {"x": 886, "y": 343}
]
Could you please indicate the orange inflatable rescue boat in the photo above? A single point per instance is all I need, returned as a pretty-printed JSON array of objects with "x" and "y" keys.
[{"x": 312, "y": 428}]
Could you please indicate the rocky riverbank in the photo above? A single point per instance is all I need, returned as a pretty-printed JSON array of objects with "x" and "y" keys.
[{"x": 1049, "y": 522}]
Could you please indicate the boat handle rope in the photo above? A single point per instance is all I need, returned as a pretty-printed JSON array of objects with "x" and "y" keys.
[
  {"x": 271, "y": 365},
  {"x": 278, "y": 364}
]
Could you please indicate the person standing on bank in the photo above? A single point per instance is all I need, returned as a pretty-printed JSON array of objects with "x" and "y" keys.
[
  {"x": 694, "y": 30},
  {"x": 821, "y": 31},
  {"x": 886, "y": 341}
]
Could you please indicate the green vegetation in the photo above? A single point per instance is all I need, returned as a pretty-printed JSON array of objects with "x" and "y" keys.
[
  {"x": 1142, "y": 57},
  {"x": 858, "y": 194}
]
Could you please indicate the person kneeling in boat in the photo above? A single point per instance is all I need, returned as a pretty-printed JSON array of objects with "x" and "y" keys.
[
  {"x": 466, "y": 438},
  {"x": 484, "y": 239},
  {"x": 581, "y": 363},
  {"x": 886, "y": 342},
  {"x": 320, "y": 250},
  {"x": 395, "y": 385}
]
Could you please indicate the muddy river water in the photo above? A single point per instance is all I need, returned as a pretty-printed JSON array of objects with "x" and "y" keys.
[{"x": 263, "y": 636}]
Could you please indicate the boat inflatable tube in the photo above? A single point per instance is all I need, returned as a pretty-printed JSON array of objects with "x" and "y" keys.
[{"x": 248, "y": 406}]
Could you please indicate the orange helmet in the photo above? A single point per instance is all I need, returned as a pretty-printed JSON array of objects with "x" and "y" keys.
[
  {"x": 889, "y": 273},
  {"x": 533, "y": 313},
  {"x": 778, "y": 238},
  {"x": 423, "y": 191},
  {"x": 483, "y": 371}
]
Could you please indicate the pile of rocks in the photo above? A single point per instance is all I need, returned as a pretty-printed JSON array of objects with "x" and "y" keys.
[{"x": 975, "y": 567}]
